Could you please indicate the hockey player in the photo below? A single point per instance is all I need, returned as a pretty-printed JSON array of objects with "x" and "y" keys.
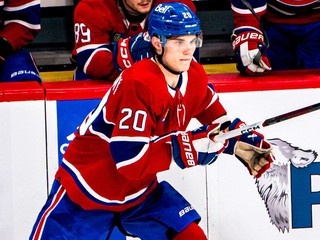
[
  {"x": 292, "y": 28},
  {"x": 100, "y": 26},
  {"x": 19, "y": 25},
  {"x": 108, "y": 176}
]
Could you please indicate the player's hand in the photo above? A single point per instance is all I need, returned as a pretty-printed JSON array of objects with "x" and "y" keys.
[
  {"x": 251, "y": 149},
  {"x": 248, "y": 45},
  {"x": 130, "y": 50},
  {"x": 196, "y": 147}
]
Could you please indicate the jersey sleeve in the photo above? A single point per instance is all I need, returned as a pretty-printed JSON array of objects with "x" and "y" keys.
[
  {"x": 243, "y": 16},
  {"x": 93, "y": 47},
  {"x": 135, "y": 150},
  {"x": 208, "y": 106},
  {"x": 21, "y": 22},
  {"x": 213, "y": 110}
]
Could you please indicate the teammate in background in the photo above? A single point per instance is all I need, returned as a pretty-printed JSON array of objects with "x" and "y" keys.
[
  {"x": 108, "y": 176},
  {"x": 19, "y": 25},
  {"x": 292, "y": 28},
  {"x": 102, "y": 30}
]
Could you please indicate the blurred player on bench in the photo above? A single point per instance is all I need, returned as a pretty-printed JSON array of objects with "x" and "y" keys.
[{"x": 19, "y": 25}]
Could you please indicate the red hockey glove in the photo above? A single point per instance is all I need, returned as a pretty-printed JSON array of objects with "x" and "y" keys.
[
  {"x": 195, "y": 147},
  {"x": 248, "y": 45},
  {"x": 251, "y": 149},
  {"x": 130, "y": 50}
]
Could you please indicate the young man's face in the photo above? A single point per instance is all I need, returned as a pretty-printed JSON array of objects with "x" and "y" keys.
[
  {"x": 136, "y": 7},
  {"x": 178, "y": 52}
]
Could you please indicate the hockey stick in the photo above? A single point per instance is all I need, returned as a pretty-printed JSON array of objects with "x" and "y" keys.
[{"x": 270, "y": 121}]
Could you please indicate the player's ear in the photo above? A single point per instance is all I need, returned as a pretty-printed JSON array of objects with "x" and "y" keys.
[{"x": 156, "y": 44}]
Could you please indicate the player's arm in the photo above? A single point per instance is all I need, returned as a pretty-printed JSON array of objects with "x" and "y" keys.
[
  {"x": 248, "y": 39},
  {"x": 138, "y": 157},
  {"x": 212, "y": 109},
  {"x": 250, "y": 148},
  {"x": 93, "y": 46},
  {"x": 21, "y": 25},
  {"x": 198, "y": 147}
]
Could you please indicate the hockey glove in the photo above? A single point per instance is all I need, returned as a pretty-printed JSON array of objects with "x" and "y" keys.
[
  {"x": 248, "y": 45},
  {"x": 251, "y": 149},
  {"x": 130, "y": 50},
  {"x": 195, "y": 147}
]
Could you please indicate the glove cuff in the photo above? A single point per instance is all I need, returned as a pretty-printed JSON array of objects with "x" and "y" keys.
[
  {"x": 184, "y": 153},
  {"x": 242, "y": 35},
  {"x": 5, "y": 48},
  {"x": 242, "y": 29},
  {"x": 122, "y": 58}
]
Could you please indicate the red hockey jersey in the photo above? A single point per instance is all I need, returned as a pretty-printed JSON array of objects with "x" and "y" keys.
[
  {"x": 278, "y": 11},
  {"x": 19, "y": 21},
  {"x": 120, "y": 147},
  {"x": 98, "y": 23}
]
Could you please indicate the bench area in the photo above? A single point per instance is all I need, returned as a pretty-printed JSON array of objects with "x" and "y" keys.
[{"x": 53, "y": 45}]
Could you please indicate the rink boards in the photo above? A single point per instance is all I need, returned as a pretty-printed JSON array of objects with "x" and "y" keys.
[{"x": 36, "y": 121}]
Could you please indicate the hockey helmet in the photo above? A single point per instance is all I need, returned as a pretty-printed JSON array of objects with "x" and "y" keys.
[{"x": 173, "y": 19}]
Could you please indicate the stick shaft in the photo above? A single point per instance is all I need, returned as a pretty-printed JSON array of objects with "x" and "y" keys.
[
  {"x": 292, "y": 114},
  {"x": 267, "y": 122}
]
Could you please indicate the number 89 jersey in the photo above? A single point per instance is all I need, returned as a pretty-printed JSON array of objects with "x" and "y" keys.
[{"x": 120, "y": 147}]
